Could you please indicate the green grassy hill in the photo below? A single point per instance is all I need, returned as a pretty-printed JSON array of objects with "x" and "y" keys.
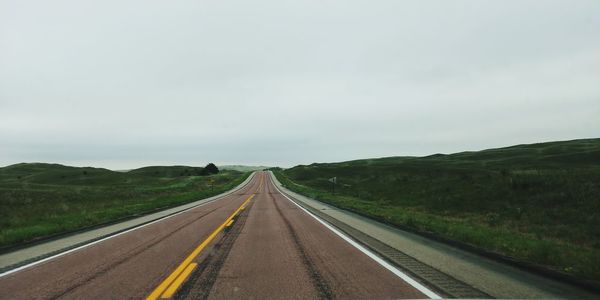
[
  {"x": 38, "y": 200},
  {"x": 539, "y": 203},
  {"x": 169, "y": 172},
  {"x": 39, "y": 173}
]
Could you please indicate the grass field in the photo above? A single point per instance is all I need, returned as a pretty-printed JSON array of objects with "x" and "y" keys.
[
  {"x": 38, "y": 200},
  {"x": 538, "y": 203}
]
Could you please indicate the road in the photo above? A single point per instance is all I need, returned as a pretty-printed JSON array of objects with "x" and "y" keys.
[{"x": 255, "y": 243}]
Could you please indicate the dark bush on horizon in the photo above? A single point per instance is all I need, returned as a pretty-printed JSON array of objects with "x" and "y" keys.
[{"x": 211, "y": 169}]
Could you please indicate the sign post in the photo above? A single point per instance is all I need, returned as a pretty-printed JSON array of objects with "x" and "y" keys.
[{"x": 333, "y": 181}]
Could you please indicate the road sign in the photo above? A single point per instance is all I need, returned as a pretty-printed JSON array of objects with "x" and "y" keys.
[{"x": 333, "y": 180}]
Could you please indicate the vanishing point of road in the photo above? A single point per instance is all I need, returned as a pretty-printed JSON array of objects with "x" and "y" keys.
[{"x": 255, "y": 243}]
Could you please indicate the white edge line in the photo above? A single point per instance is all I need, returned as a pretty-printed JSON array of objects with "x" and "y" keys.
[
  {"x": 370, "y": 254},
  {"x": 29, "y": 265}
]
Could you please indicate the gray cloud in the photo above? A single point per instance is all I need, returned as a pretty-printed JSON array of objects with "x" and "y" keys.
[{"x": 128, "y": 83}]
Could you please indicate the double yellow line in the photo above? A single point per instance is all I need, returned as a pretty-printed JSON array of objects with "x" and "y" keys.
[{"x": 169, "y": 286}]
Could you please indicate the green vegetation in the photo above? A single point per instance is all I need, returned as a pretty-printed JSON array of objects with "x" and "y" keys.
[
  {"x": 538, "y": 203},
  {"x": 38, "y": 200},
  {"x": 211, "y": 169},
  {"x": 169, "y": 172},
  {"x": 175, "y": 171}
]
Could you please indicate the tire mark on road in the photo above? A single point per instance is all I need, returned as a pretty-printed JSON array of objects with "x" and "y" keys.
[{"x": 321, "y": 285}]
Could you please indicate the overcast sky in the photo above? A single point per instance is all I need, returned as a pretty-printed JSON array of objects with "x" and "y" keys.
[{"x": 123, "y": 84}]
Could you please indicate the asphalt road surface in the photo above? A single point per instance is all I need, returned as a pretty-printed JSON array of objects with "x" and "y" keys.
[{"x": 254, "y": 243}]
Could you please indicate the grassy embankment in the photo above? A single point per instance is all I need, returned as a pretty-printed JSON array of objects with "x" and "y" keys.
[
  {"x": 38, "y": 200},
  {"x": 538, "y": 203}
]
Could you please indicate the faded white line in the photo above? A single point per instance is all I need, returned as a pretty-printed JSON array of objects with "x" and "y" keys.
[
  {"x": 370, "y": 254},
  {"x": 117, "y": 234}
]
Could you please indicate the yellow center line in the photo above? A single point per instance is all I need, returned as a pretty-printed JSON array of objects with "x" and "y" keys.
[
  {"x": 262, "y": 178},
  {"x": 229, "y": 223},
  {"x": 171, "y": 279},
  {"x": 180, "y": 279}
]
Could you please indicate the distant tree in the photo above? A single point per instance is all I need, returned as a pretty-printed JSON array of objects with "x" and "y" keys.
[{"x": 211, "y": 168}]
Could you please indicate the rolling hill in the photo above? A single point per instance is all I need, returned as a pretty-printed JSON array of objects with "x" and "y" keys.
[
  {"x": 38, "y": 200},
  {"x": 539, "y": 202}
]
